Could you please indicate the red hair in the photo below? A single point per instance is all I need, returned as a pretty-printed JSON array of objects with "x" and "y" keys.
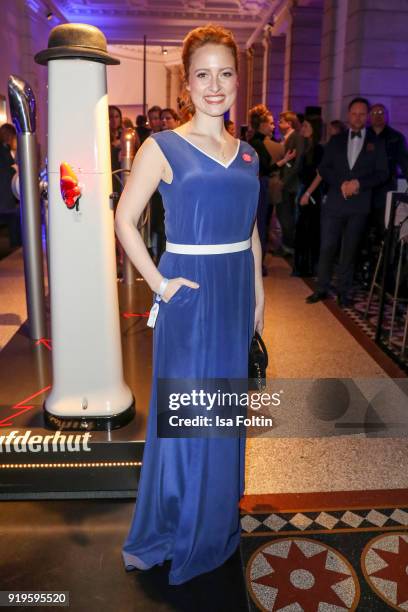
[{"x": 197, "y": 38}]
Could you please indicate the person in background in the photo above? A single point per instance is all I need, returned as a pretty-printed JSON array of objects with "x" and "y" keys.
[
  {"x": 293, "y": 141},
  {"x": 397, "y": 155},
  {"x": 185, "y": 109},
  {"x": 396, "y": 150},
  {"x": 127, "y": 123},
  {"x": 8, "y": 138},
  {"x": 317, "y": 185},
  {"x": 230, "y": 126},
  {"x": 353, "y": 164},
  {"x": 243, "y": 131},
  {"x": 116, "y": 127},
  {"x": 336, "y": 127},
  {"x": 115, "y": 123},
  {"x": 158, "y": 236},
  {"x": 262, "y": 124},
  {"x": 142, "y": 128},
  {"x": 115, "y": 130},
  {"x": 9, "y": 209},
  {"x": 307, "y": 231},
  {"x": 169, "y": 118},
  {"x": 154, "y": 116},
  {"x": 249, "y": 132},
  {"x": 276, "y": 151}
]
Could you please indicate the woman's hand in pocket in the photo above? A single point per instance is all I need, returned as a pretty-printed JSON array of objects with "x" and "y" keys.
[{"x": 174, "y": 285}]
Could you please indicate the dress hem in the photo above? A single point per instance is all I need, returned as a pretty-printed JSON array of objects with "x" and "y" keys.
[
  {"x": 132, "y": 562},
  {"x": 175, "y": 581}
]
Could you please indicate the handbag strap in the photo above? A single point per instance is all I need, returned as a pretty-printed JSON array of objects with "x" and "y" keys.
[{"x": 263, "y": 347}]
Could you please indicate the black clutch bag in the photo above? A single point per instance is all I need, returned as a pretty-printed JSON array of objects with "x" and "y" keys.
[{"x": 257, "y": 363}]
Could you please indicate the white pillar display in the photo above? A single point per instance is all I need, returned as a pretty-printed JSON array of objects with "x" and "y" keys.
[{"x": 88, "y": 387}]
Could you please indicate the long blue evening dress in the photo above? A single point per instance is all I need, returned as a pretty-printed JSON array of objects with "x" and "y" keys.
[{"x": 187, "y": 502}]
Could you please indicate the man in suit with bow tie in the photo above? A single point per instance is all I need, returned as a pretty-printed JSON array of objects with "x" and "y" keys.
[{"x": 353, "y": 163}]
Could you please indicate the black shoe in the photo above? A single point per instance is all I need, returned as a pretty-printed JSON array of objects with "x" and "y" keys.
[
  {"x": 317, "y": 296},
  {"x": 343, "y": 301}
]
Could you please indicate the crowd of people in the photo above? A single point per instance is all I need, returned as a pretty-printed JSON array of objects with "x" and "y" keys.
[
  {"x": 359, "y": 167},
  {"x": 319, "y": 191},
  {"x": 157, "y": 120},
  {"x": 302, "y": 193},
  {"x": 327, "y": 196}
]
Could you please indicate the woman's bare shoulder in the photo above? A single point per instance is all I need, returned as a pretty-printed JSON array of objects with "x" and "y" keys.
[{"x": 152, "y": 155}]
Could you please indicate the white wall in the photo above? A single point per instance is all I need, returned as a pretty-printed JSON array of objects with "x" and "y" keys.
[{"x": 125, "y": 82}]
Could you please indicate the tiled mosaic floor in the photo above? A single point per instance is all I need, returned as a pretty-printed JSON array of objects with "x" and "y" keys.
[
  {"x": 368, "y": 323},
  {"x": 327, "y": 519},
  {"x": 327, "y": 561}
]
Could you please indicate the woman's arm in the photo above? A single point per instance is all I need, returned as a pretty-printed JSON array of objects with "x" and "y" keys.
[
  {"x": 259, "y": 288},
  {"x": 149, "y": 167},
  {"x": 291, "y": 154},
  {"x": 147, "y": 170},
  {"x": 304, "y": 200}
]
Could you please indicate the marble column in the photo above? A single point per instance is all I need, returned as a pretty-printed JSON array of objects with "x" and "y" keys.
[
  {"x": 258, "y": 57},
  {"x": 376, "y": 56},
  {"x": 239, "y": 112},
  {"x": 275, "y": 74},
  {"x": 302, "y": 58},
  {"x": 365, "y": 53},
  {"x": 332, "y": 59}
]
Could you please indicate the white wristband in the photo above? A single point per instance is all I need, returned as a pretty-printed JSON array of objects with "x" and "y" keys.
[{"x": 163, "y": 286}]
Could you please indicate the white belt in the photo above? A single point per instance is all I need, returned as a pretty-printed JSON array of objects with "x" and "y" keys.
[{"x": 208, "y": 249}]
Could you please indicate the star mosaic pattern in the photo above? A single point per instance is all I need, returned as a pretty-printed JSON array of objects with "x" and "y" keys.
[
  {"x": 384, "y": 562},
  {"x": 299, "y": 574}
]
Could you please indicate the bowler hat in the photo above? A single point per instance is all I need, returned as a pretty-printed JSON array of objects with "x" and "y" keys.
[{"x": 70, "y": 40}]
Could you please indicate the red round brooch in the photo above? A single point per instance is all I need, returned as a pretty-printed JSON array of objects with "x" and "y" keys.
[{"x": 247, "y": 157}]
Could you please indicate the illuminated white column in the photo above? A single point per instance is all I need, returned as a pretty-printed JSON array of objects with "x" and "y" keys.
[{"x": 86, "y": 344}]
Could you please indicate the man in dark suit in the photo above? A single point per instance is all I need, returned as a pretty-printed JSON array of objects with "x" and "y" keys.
[
  {"x": 141, "y": 128},
  {"x": 353, "y": 164},
  {"x": 286, "y": 209},
  {"x": 397, "y": 154}
]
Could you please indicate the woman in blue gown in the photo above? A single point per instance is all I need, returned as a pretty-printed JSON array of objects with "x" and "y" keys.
[{"x": 211, "y": 302}]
